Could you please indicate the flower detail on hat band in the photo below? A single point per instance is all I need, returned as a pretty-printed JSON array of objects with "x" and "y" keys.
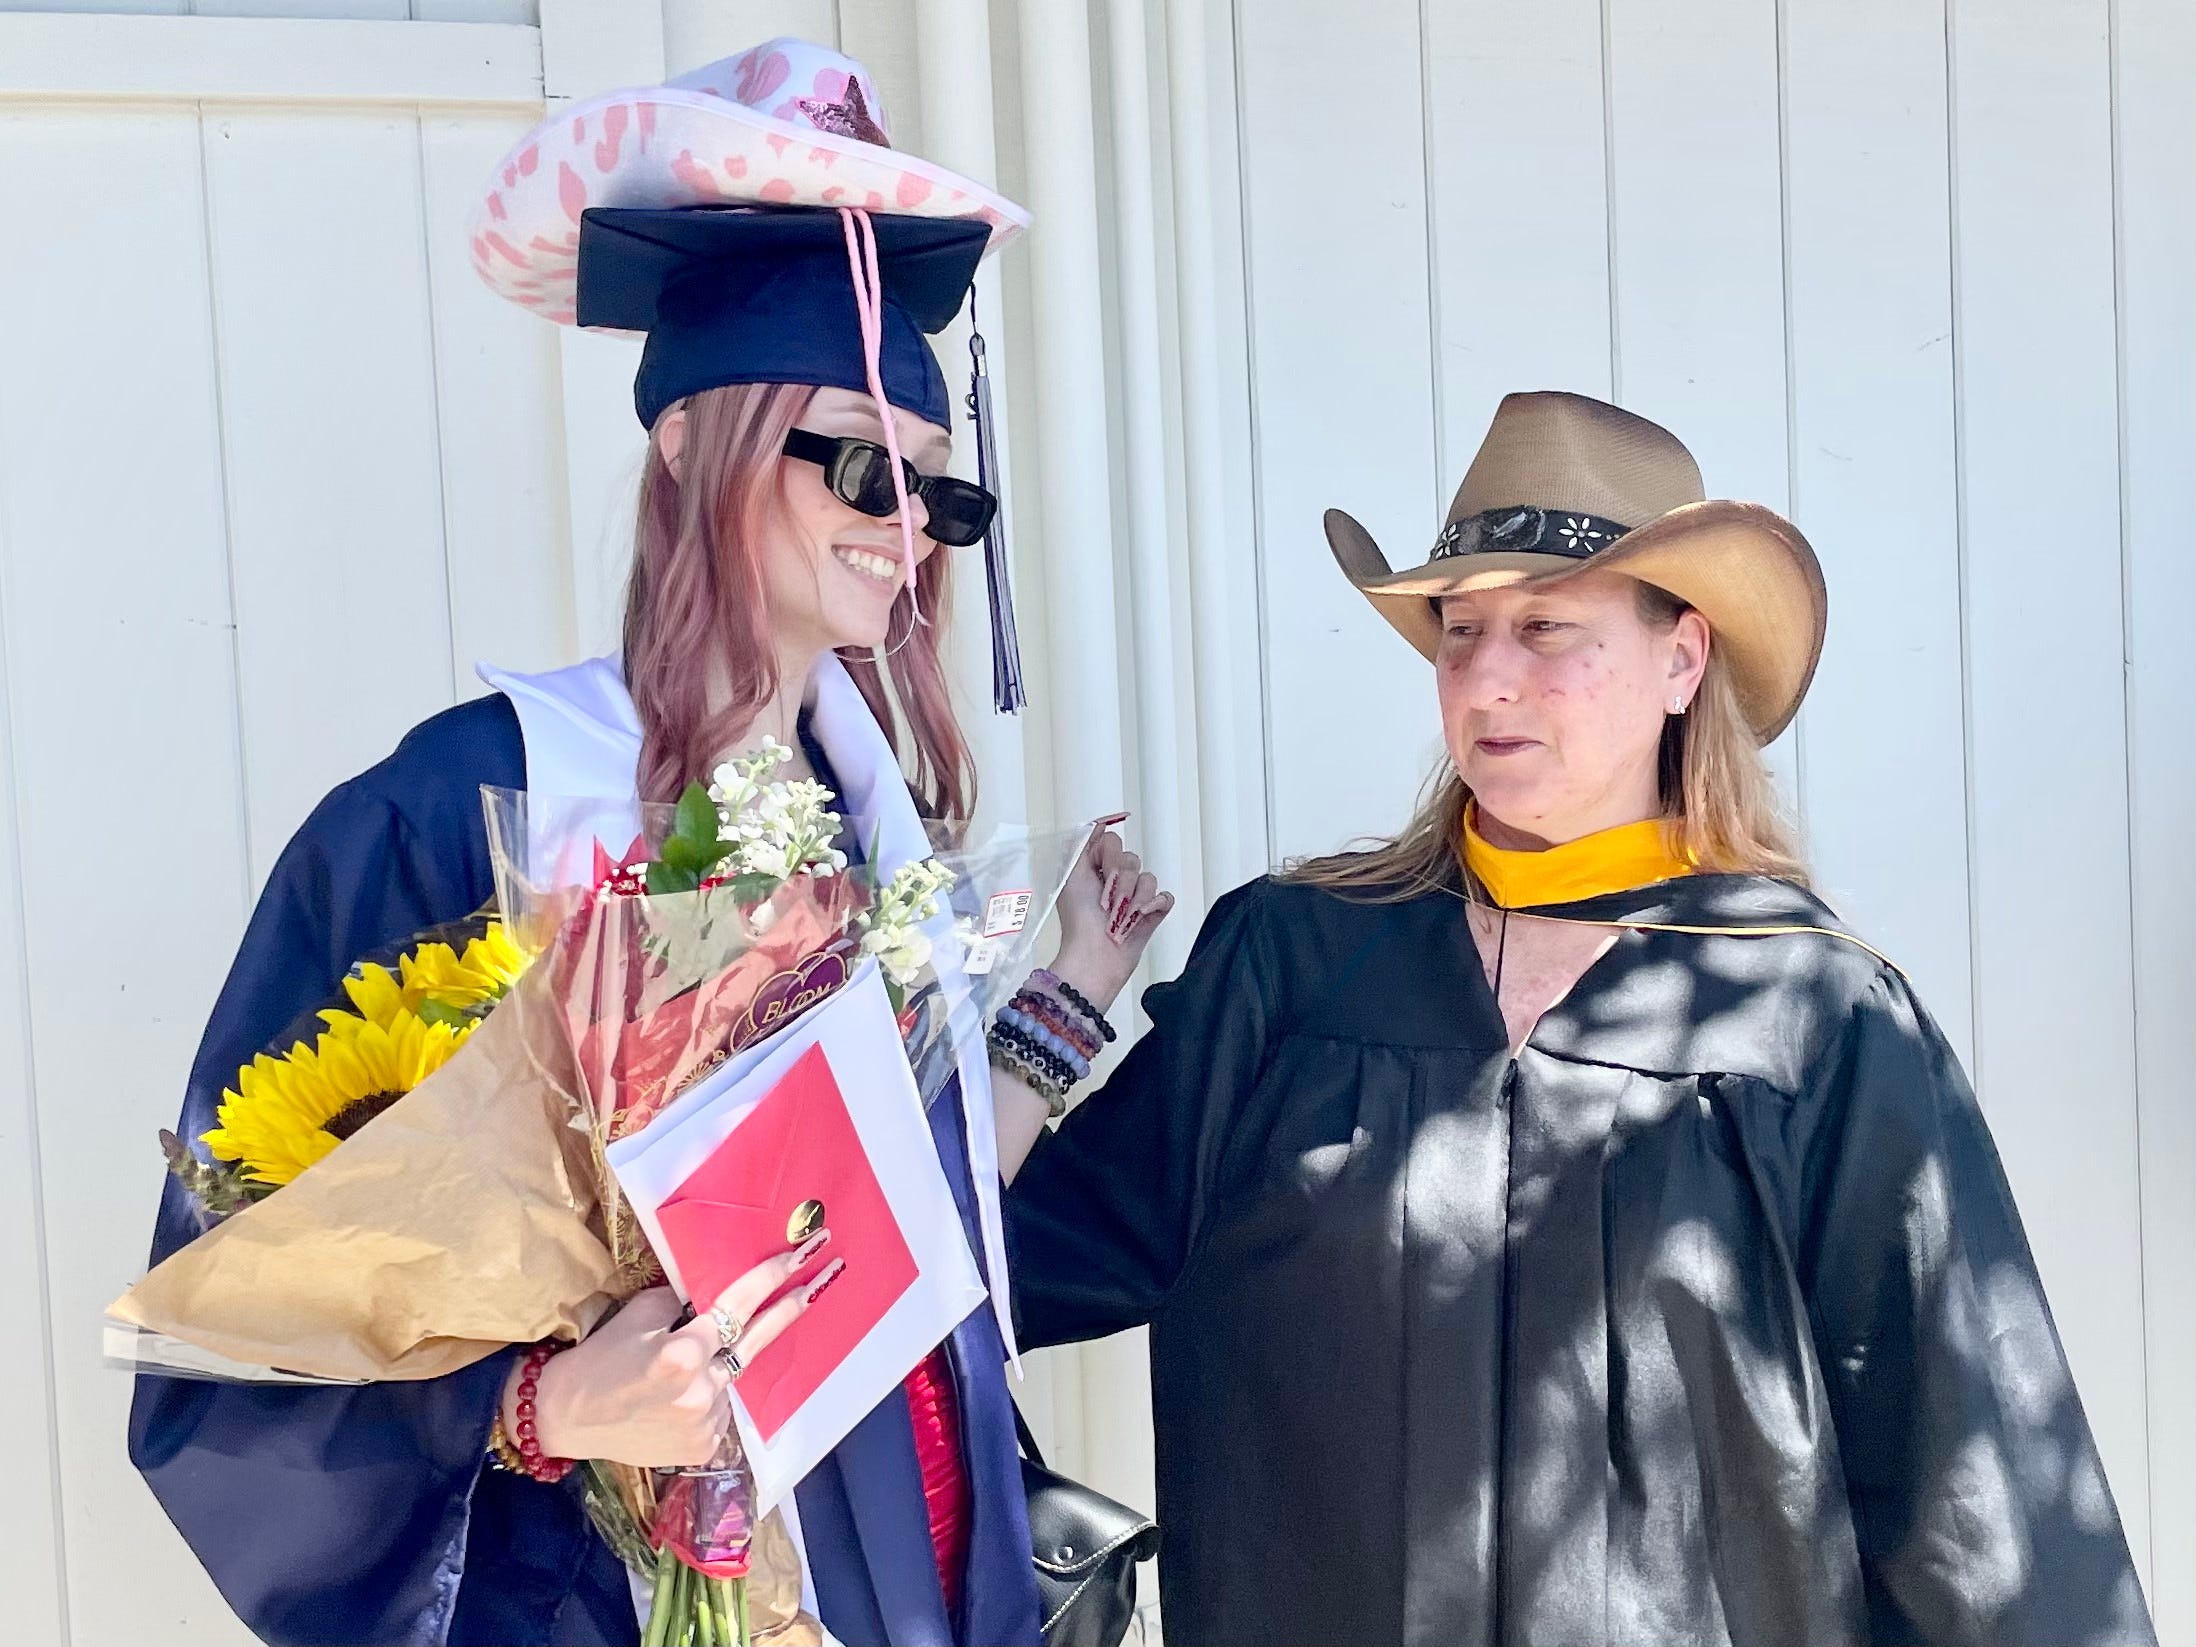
[
  {"x": 1526, "y": 530},
  {"x": 1581, "y": 534}
]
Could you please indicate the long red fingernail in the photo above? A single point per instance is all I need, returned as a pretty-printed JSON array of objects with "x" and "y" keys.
[
  {"x": 809, "y": 1248},
  {"x": 837, "y": 1269}
]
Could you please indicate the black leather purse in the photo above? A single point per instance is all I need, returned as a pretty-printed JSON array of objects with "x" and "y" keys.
[{"x": 1086, "y": 1549}]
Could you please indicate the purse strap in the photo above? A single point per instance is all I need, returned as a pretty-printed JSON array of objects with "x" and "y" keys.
[{"x": 1028, "y": 1441}]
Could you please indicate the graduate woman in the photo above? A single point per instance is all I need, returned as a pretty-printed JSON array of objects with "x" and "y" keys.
[
  {"x": 1554, "y": 1227},
  {"x": 783, "y": 574}
]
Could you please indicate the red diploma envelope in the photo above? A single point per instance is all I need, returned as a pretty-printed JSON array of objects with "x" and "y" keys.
[{"x": 745, "y": 1203}]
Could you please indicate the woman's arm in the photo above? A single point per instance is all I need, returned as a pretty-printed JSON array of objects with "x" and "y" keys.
[
  {"x": 1108, "y": 1210},
  {"x": 1109, "y": 888}
]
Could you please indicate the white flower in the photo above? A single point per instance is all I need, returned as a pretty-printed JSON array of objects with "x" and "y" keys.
[
  {"x": 902, "y": 952},
  {"x": 892, "y": 926}
]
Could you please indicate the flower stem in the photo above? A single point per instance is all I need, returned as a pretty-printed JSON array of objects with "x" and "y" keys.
[
  {"x": 659, "y": 1606},
  {"x": 682, "y": 1606},
  {"x": 739, "y": 1613}
]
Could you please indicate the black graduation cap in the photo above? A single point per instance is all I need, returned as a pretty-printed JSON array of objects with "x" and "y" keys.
[{"x": 748, "y": 294}]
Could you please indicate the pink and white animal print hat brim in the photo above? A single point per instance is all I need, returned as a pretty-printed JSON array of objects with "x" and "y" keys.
[{"x": 786, "y": 123}]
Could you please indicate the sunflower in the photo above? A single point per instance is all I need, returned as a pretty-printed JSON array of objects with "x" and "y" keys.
[
  {"x": 285, "y": 1113},
  {"x": 436, "y": 982}
]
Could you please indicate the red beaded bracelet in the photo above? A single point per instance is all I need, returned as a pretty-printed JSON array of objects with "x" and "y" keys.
[
  {"x": 527, "y": 1442},
  {"x": 1055, "y": 1015}
]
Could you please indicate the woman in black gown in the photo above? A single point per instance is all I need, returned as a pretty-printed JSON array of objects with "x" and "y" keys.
[{"x": 1554, "y": 1227}]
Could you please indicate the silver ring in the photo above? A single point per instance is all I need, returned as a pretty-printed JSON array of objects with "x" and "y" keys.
[{"x": 733, "y": 1365}]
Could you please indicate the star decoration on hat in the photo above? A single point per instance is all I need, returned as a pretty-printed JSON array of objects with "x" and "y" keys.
[{"x": 849, "y": 117}]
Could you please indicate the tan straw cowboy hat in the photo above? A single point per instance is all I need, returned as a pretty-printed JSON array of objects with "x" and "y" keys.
[{"x": 1563, "y": 483}]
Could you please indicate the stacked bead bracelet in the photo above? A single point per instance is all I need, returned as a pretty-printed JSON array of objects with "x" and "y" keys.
[
  {"x": 1046, "y": 978},
  {"x": 1037, "y": 1035},
  {"x": 1047, "y": 1036},
  {"x": 521, "y": 1453},
  {"x": 1006, "y": 1058}
]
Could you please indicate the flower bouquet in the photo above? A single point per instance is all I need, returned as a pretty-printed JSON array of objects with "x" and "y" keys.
[
  {"x": 419, "y": 1178},
  {"x": 730, "y": 917}
]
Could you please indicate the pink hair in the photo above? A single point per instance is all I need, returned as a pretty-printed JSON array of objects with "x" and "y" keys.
[{"x": 697, "y": 615}]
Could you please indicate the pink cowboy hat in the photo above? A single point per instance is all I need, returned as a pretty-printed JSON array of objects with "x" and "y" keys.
[{"x": 786, "y": 123}]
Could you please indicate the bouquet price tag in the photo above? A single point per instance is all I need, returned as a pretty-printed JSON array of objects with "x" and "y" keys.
[{"x": 1006, "y": 913}]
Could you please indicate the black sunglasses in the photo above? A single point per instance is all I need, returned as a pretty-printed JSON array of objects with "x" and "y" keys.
[{"x": 859, "y": 473}]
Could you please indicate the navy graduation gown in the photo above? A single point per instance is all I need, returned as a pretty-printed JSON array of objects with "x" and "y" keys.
[
  {"x": 1707, "y": 1318},
  {"x": 354, "y": 1515}
]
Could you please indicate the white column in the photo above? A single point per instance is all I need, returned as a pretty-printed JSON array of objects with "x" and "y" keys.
[
  {"x": 1169, "y": 811},
  {"x": 1073, "y": 458},
  {"x": 1223, "y": 573},
  {"x": 953, "y": 66}
]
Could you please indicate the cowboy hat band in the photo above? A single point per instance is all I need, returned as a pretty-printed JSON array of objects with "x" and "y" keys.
[
  {"x": 1563, "y": 484},
  {"x": 1526, "y": 530}
]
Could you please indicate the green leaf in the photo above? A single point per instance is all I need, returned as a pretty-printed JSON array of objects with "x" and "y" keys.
[
  {"x": 697, "y": 816},
  {"x": 441, "y": 1012},
  {"x": 680, "y": 853},
  {"x": 666, "y": 878},
  {"x": 752, "y": 889}
]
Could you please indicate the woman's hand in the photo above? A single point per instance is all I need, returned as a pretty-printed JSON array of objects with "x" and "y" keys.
[
  {"x": 643, "y": 1389},
  {"x": 1109, "y": 909}
]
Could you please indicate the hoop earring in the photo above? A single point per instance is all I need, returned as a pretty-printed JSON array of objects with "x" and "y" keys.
[{"x": 891, "y": 647}]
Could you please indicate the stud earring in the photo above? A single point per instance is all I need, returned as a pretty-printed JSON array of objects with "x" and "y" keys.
[{"x": 1677, "y": 706}]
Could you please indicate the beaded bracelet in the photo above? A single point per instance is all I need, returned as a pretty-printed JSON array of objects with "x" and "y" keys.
[
  {"x": 1076, "y": 999},
  {"x": 525, "y": 1446},
  {"x": 1033, "y": 1046},
  {"x": 1018, "y": 1063},
  {"x": 1022, "y": 1055},
  {"x": 1062, "y": 1019},
  {"x": 1013, "y": 1063},
  {"x": 1015, "y": 1018}
]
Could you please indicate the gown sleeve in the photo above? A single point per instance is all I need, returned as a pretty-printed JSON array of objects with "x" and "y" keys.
[
  {"x": 323, "y": 1514},
  {"x": 1105, "y": 1214},
  {"x": 1978, "y": 1499}
]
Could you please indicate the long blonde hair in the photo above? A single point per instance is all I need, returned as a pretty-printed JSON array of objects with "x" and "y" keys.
[{"x": 1717, "y": 799}]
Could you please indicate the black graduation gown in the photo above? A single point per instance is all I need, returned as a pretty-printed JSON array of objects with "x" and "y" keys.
[
  {"x": 1708, "y": 1318},
  {"x": 367, "y": 1514}
]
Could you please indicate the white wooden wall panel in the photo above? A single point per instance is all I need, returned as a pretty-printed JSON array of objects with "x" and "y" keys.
[
  {"x": 1874, "y": 481},
  {"x": 1696, "y": 244},
  {"x": 475, "y": 11},
  {"x": 123, "y": 725},
  {"x": 168, "y": 8},
  {"x": 2054, "y": 1033},
  {"x": 332, "y": 450},
  {"x": 31, "y": 1559},
  {"x": 385, "y": 10},
  {"x": 1510, "y": 240},
  {"x": 2156, "y": 129},
  {"x": 1336, "y": 264},
  {"x": 424, "y": 11},
  {"x": 502, "y": 485}
]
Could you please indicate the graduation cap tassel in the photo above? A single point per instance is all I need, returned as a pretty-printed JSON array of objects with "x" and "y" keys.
[{"x": 1007, "y": 693}]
